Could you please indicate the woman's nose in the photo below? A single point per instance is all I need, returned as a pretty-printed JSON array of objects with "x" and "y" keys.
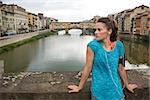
[{"x": 96, "y": 32}]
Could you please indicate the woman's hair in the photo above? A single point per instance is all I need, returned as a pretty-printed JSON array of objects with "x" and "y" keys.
[{"x": 110, "y": 24}]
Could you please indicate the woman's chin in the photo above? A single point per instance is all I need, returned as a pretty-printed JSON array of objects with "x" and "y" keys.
[{"x": 98, "y": 39}]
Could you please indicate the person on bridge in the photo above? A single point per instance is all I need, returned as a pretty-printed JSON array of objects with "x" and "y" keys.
[{"x": 104, "y": 57}]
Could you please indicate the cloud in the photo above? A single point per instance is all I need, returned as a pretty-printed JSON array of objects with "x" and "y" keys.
[
  {"x": 43, "y": 5},
  {"x": 77, "y": 9},
  {"x": 61, "y": 9}
]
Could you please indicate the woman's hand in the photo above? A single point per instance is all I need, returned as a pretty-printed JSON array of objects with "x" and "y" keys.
[
  {"x": 131, "y": 87},
  {"x": 73, "y": 88}
]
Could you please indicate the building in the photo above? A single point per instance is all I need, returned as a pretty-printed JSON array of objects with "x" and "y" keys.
[
  {"x": 8, "y": 19},
  {"x": 122, "y": 19},
  {"x": 39, "y": 23},
  {"x": 14, "y": 18},
  {"x": 119, "y": 18},
  {"x": 21, "y": 19},
  {"x": 51, "y": 25},
  {"x": 111, "y": 16},
  {"x": 41, "y": 20},
  {"x": 48, "y": 22},
  {"x": 44, "y": 22},
  {"x": 128, "y": 20},
  {"x": 134, "y": 12},
  {"x": 95, "y": 18},
  {"x": 142, "y": 23},
  {"x": 32, "y": 22}
]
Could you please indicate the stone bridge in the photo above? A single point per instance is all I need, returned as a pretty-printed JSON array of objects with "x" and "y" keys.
[{"x": 72, "y": 25}]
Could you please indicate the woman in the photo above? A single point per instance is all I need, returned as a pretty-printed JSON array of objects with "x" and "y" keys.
[{"x": 104, "y": 58}]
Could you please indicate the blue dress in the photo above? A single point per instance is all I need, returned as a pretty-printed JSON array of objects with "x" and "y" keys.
[{"x": 106, "y": 83}]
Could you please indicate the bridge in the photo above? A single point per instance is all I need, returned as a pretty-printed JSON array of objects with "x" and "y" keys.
[{"x": 72, "y": 25}]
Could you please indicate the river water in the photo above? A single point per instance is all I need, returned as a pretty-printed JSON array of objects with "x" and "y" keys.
[{"x": 65, "y": 53}]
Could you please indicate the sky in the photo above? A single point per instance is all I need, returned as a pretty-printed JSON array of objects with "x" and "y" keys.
[{"x": 76, "y": 10}]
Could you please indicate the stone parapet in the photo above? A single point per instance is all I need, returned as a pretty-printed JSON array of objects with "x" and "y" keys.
[{"x": 53, "y": 86}]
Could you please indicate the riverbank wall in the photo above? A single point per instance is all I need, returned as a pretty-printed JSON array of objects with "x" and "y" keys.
[{"x": 135, "y": 38}]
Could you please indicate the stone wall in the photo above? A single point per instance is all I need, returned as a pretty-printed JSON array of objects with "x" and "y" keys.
[
  {"x": 53, "y": 86},
  {"x": 135, "y": 38}
]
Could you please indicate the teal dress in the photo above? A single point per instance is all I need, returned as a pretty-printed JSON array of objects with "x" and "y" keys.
[{"x": 106, "y": 84}]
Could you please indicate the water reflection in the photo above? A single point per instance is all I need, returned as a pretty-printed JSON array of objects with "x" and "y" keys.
[
  {"x": 61, "y": 53},
  {"x": 61, "y": 32},
  {"x": 71, "y": 32},
  {"x": 19, "y": 58},
  {"x": 137, "y": 53}
]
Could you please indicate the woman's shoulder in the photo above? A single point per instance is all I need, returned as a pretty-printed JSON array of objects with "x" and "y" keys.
[
  {"x": 119, "y": 43},
  {"x": 93, "y": 42}
]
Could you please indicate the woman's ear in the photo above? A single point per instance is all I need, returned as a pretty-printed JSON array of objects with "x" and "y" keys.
[{"x": 110, "y": 31}]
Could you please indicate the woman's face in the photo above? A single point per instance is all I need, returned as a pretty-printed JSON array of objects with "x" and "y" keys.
[{"x": 101, "y": 32}]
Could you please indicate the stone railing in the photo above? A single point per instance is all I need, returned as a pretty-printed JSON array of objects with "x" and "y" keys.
[{"x": 53, "y": 86}]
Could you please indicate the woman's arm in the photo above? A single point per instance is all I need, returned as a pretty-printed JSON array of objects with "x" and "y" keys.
[
  {"x": 123, "y": 75},
  {"x": 86, "y": 71}
]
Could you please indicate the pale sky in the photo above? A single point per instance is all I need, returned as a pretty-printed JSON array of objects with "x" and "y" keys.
[{"x": 77, "y": 10}]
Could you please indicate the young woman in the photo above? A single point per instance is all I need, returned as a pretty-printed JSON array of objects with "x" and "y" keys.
[{"x": 104, "y": 58}]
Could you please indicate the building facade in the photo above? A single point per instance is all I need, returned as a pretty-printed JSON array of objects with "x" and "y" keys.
[
  {"x": 41, "y": 20},
  {"x": 14, "y": 18},
  {"x": 7, "y": 18},
  {"x": 131, "y": 21},
  {"x": 134, "y": 12},
  {"x": 142, "y": 24},
  {"x": 32, "y": 22},
  {"x": 21, "y": 19}
]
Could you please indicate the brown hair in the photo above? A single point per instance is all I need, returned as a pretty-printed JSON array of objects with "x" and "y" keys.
[{"x": 110, "y": 24}]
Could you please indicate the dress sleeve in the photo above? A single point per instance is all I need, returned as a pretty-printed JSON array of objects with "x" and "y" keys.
[
  {"x": 121, "y": 50},
  {"x": 122, "y": 54},
  {"x": 92, "y": 46}
]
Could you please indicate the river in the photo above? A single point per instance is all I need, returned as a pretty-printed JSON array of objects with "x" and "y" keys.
[{"x": 63, "y": 53}]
